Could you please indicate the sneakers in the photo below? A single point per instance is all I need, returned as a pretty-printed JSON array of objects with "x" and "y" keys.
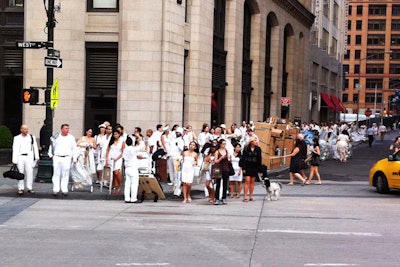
[
  {"x": 217, "y": 202},
  {"x": 224, "y": 202}
]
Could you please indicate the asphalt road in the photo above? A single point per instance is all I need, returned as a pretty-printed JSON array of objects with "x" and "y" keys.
[{"x": 342, "y": 222}]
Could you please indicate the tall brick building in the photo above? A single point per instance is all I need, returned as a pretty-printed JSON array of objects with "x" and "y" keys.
[{"x": 372, "y": 62}]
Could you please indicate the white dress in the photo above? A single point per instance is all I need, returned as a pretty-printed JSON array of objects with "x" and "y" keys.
[
  {"x": 342, "y": 143},
  {"x": 235, "y": 164},
  {"x": 187, "y": 169}
]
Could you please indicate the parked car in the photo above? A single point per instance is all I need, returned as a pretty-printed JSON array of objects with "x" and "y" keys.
[{"x": 385, "y": 174}]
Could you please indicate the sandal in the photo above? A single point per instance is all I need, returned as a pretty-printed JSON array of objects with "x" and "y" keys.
[
  {"x": 189, "y": 200},
  {"x": 31, "y": 191},
  {"x": 307, "y": 182},
  {"x": 245, "y": 200},
  {"x": 251, "y": 199},
  {"x": 318, "y": 183},
  {"x": 290, "y": 184},
  {"x": 20, "y": 192}
]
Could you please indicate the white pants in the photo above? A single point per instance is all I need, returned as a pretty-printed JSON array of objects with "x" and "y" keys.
[
  {"x": 131, "y": 184},
  {"x": 61, "y": 167},
  {"x": 25, "y": 166}
]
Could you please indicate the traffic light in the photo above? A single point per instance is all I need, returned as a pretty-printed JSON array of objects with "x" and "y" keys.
[{"x": 30, "y": 96}]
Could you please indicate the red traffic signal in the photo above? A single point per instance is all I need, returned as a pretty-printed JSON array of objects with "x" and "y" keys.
[{"x": 30, "y": 96}]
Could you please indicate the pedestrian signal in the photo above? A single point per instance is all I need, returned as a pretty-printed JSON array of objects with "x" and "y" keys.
[{"x": 30, "y": 96}]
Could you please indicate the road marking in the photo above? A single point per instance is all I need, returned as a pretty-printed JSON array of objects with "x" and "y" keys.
[
  {"x": 318, "y": 232},
  {"x": 144, "y": 264},
  {"x": 330, "y": 264}
]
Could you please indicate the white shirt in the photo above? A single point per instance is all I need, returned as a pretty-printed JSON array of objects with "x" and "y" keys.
[
  {"x": 23, "y": 145},
  {"x": 63, "y": 146},
  {"x": 130, "y": 156}
]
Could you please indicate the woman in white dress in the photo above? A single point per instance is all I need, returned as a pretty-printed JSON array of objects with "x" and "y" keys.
[
  {"x": 342, "y": 144},
  {"x": 84, "y": 171},
  {"x": 237, "y": 178},
  {"x": 114, "y": 157},
  {"x": 190, "y": 158}
]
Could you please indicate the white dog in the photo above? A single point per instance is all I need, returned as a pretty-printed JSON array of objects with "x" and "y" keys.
[{"x": 274, "y": 191}]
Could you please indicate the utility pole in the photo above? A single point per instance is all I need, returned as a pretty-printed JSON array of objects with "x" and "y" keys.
[{"x": 45, "y": 167}]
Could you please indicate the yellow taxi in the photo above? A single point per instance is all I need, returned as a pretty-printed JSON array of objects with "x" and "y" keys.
[{"x": 385, "y": 174}]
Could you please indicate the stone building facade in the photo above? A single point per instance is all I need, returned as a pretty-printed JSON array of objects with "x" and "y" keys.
[{"x": 172, "y": 61}]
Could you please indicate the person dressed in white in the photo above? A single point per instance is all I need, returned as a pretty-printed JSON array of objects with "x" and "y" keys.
[
  {"x": 237, "y": 178},
  {"x": 176, "y": 148},
  {"x": 342, "y": 145},
  {"x": 98, "y": 155},
  {"x": 205, "y": 136},
  {"x": 190, "y": 158},
  {"x": 61, "y": 151},
  {"x": 25, "y": 155},
  {"x": 130, "y": 156},
  {"x": 84, "y": 171}
]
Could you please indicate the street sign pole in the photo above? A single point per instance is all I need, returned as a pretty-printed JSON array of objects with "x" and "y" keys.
[{"x": 45, "y": 167}]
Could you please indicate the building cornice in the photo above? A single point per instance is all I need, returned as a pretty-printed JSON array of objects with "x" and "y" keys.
[{"x": 297, "y": 10}]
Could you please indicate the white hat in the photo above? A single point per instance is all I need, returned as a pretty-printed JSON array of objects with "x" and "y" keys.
[
  {"x": 179, "y": 130},
  {"x": 251, "y": 122},
  {"x": 166, "y": 128},
  {"x": 102, "y": 126},
  {"x": 222, "y": 126}
]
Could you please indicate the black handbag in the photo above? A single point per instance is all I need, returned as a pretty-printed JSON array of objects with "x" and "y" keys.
[
  {"x": 231, "y": 169},
  {"x": 158, "y": 154},
  {"x": 216, "y": 171},
  {"x": 13, "y": 173}
]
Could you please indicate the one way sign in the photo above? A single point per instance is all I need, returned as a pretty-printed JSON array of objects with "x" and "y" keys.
[{"x": 53, "y": 62}]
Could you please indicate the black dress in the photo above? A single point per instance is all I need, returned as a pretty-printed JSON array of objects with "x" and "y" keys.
[
  {"x": 251, "y": 161},
  {"x": 295, "y": 163}
]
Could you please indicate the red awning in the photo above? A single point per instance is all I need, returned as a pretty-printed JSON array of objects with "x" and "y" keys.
[
  {"x": 328, "y": 101},
  {"x": 336, "y": 102},
  {"x": 344, "y": 108}
]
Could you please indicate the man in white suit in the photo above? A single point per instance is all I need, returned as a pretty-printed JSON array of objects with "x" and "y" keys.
[
  {"x": 61, "y": 151},
  {"x": 25, "y": 155}
]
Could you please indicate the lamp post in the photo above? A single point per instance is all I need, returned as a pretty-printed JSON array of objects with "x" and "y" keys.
[
  {"x": 45, "y": 167},
  {"x": 359, "y": 85}
]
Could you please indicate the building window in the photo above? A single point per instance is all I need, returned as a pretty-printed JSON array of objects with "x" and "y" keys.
[
  {"x": 348, "y": 39},
  {"x": 396, "y": 10},
  {"x": 335, "y": 14},
  {"x": 395, "y": 54},
  {"x": 395, "y": 25},
  {"x": 349, "y": 24},
  {"x": 346, "y": 68},
  {"x": 355, "y": 98},
  {"x": 377, "y": 10},
  {"x": 377, "y": 25},
  {"x": 357, "y": 54},
  {"x": 395, "y": 39},
  {"x": 334, "y": 46},
  {"x": 346, "y": 84},
  {"x": 374, "y": 69},
  {"x": 359, "y": 10},
  {"x": 350, "y": 8},
  {"x": 356, "y": 68},
  {"x": 358, "y": 39},
  {"x": 358, "y": 24},
  {"x": 375, "y": 54},
  {"x": 371, "y": 83},
  {"x": 345, "y": 98},
  {"x": 326, "y": 8},
  {"x": 347, "y": 54},
  {"x": 370, "y": 98},
  {"x": 15, "y": 3},
  {"x": 394, "y": 69},
  {"x": 376, "y": 39},
  {"x": 103, "y": 5}
]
